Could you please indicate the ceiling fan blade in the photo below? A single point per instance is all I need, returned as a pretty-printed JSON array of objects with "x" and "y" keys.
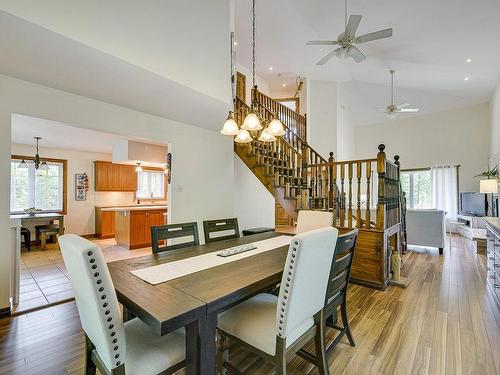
[
  {"x": 352, "y": 26},
  {"x": 322, "y": 43},
  {"x": 327, "y": 57},
  {"x": 402, "y": 105},
  {"x": 409, "y": 110},
  {"x": 387, "y": 33},
  {"x": 356, "y": 54}
]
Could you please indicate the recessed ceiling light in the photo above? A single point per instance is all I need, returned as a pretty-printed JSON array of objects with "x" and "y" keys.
[
  {"x": 466, "y": 78},
  {"x": 468, "y": 60},
  {"x": 270, "y": 68},
  {"x": 283, "y": 85}
]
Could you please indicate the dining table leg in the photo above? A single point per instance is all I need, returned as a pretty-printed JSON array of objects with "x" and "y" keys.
[
  {"x": 207, "y": 344},
  {"x": 200, "y": 346}
]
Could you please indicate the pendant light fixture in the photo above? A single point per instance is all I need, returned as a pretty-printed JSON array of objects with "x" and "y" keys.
[
  {"x": 39, "y": 164},
  {"x": 255, "y": 121},
  {"x": 138, "y": 167}
]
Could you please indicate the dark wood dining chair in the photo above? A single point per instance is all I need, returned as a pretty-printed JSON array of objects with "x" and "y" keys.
[
  {"x": 214, "y": 226},
  {"x": 336, "y": 293},
  {"x": 163, "y": 233}
]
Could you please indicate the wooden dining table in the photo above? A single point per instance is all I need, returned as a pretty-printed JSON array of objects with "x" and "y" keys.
[{"x": 195, "y": 300}]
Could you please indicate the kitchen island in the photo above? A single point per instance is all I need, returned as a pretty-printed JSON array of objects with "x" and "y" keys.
[{"x": 130, "y": 225}]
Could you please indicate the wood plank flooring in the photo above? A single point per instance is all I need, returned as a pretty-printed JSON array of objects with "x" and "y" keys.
[{"x": 445, "y": 322}]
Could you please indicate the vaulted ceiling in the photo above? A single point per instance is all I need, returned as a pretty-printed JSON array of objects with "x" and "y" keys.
[{"x": 431, "y": 42}]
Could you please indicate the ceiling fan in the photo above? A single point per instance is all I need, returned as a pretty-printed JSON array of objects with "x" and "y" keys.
[
  {"x": 348, "y": 39},
  {"x": 392, "y": 110}
]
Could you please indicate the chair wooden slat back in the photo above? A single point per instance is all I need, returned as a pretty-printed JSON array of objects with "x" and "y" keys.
[
  {"x": 340, "y": 270},
  {"x": 214, "y": 226},
  {"x": 171, "y": 231}
]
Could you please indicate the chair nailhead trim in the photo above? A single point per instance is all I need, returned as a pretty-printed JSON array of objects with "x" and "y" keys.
[
  {"x": 286, "y": 289},
  {"x": 105, "y": 304}
]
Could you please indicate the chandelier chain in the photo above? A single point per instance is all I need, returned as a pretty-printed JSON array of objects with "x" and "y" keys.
[{"x": 253, "y": 42}]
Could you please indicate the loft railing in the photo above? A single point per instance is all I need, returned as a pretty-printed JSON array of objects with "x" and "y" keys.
[{"x": 361, "y": 193}]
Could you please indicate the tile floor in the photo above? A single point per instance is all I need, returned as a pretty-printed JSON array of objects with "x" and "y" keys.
[{"x": 44, "y": 280}]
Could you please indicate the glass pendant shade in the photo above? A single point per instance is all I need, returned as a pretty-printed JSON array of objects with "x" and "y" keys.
[
  {"x": 23, "y": 164},
  {"x": 138, "y": 168},
  {"x": 230, "y": 126},
  {"x": 276, "y": 127},
  {"x": 392, "y": 115},
  {"x": 243, "y": 137},
  {"x": 44, "y": 166},
  {"x": 251, "y": 122},
  {"x": 266, "y": 136}
]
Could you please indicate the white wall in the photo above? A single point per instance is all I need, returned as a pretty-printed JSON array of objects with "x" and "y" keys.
[
  {"x": 345, "y": 130},
  {"x": 168, "y": 38},
  {"x": 495, "y": 123},
  {"x": 322, "y": 104},
  {"x": 254, "y": 205},
  {"x": 446, "y": 138},
  {"x": 202, "y": 166},
  {"x": 80, "y": 217}
]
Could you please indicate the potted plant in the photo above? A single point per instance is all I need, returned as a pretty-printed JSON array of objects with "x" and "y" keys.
[{"x": 489, "y": 174}]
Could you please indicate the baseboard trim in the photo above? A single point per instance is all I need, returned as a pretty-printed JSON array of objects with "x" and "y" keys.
[{"x": 5, "y": 312}]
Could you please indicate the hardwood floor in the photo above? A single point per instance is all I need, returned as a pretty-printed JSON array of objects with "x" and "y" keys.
[{"x": 445, "y": 322}]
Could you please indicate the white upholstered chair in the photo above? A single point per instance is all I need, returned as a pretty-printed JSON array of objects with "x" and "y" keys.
[
  {"x": 130, "y": 348},
  {"x": 276, "y": 327},
  {"x": 426, "y": 228},
  {"x": 309, "y": 220}
]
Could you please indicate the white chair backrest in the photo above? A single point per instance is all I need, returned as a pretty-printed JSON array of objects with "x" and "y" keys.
[
  {"x": 95, "y": 298},
  {"x": 310, "y": 220},
  {"x": 305, "y": 278}
]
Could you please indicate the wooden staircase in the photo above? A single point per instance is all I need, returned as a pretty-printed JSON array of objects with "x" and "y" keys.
[{"x": 363, "y": 194}]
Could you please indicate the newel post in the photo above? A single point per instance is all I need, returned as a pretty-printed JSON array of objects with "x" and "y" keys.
[
  {"x": 381, "y": 187},
  {"x": 304, "y": 191}
]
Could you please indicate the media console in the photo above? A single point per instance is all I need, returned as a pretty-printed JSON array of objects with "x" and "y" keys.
[{"x": 473, "y": 228}]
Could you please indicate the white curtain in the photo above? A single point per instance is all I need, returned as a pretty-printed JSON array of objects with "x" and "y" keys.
[{"x": 444, "y": 193}]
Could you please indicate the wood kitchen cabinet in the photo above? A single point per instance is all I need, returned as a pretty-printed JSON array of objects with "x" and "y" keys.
[
  {"x": 114, "y": 177},
  {"x": 133, "y": 227},
  {"x": 104, "y": 223}
]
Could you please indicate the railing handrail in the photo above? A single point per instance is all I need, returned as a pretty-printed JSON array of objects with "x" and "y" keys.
[
  {"x": 303, "y": 121},
  {"x": 325, "y": 164}
]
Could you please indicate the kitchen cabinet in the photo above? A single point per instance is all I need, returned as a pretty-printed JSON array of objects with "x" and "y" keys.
[
  {"x": 114, "y": 177},
  {"x": 104, "y": 223},
  {"x": 133, "y": 227}
]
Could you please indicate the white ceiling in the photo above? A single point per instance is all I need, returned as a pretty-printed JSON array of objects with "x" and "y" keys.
[
  {"x": 430, "y": 45},
  {"x": 36, "y": 54},
  {"x": 57, "y": 135}
]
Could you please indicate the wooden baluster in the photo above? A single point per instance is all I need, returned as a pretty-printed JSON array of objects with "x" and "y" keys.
[
  {"x": 349, "y": 210},
  {"x": 342, "y": 195},
  {"x": 358, "y": 200},
  {"x": 381, "y": 187},
  {"x": 368, "y": 193},
  {"x": 334, "y": 195}
]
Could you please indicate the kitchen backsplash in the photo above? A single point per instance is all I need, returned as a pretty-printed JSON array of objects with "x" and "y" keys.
[
  {"x": 117, "y": 198},
  {"x": 113, "y": 198}
]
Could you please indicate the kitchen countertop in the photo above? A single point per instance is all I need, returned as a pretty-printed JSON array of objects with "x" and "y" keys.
[
  {"x": 135, "y": 208},
  {"x": 494, "y": 224}
]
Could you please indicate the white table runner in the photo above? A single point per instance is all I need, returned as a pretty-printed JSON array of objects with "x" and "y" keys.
[{"x": 169, "y": 271}]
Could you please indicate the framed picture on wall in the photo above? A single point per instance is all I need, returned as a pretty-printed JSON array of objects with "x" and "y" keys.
[{"x": 81, "y": 186}]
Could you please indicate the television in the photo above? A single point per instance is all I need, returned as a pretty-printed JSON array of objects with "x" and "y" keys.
[{"x": 475, "y": 204}]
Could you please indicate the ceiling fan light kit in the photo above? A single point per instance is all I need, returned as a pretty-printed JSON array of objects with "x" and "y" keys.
[
  {"x": 347, "y": 40},
  {"x": 393, "y": 110}
]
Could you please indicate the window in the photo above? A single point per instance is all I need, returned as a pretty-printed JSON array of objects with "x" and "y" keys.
[
  {"x": 417, "y": 186},
  {"x": 42, "y": 189},
  {"x": 150, "y": 185}
]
